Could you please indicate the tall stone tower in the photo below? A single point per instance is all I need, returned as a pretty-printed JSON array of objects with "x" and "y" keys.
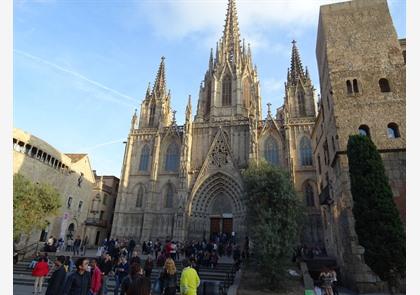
[
  {"x": 362, "y": 77},
  {"x": 299, "y": 115}
]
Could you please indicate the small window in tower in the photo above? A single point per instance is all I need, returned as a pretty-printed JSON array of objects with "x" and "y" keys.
[
  {"x": 364, "y": 130},
  {"x": 301, "y": 103},
  {"x": 393, "y": 131},
  {"x": 404, "y": 56},
  {"x": 208, "y": 98},
  {"x": 384, "y": 85},
  {"x": 309, "y": 195},
  {"x": 152, "y": 115},
  {"x": 227, "y": 91},
  {"x": 355, "y": 86},
  {"x": 349, "y": 87}
]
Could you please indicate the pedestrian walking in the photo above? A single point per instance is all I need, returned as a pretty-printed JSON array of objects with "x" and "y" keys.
[
  {"x": 105, "y": 265},
  {"x": 78, "y": 282},
  {"x": 131, "y": 246},
  {"x": 326, "y": 281},
  {"x": 58, "y": 277},
  {"x": 121, "y": 271},
  {"x": 148, "y": 266},
  {"x": 96, "y": 278},
  {"x": 40, "y": 271},
  {"x": 189, "y": 279},
  {"x": 168, "y": 277},
  {"x": 135, "y": 271},
  {"x": 76, "y": 246}
]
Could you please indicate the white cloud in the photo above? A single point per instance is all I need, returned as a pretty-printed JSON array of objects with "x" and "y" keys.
[{"x": 175, "y": 19}]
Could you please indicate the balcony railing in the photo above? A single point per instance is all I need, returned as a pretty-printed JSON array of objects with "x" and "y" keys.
[{"x": 96, "y": 222}]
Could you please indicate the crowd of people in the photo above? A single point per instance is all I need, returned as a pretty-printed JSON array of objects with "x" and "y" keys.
[
  {"x": 327, "y": 283},
  {"x": 121, "y": 260}
]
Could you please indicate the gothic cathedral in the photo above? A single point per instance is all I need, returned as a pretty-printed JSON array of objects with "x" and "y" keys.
[{"x": 184, "y": 181}]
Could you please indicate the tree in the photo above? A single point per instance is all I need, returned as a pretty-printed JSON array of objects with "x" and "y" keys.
[
  {"x": 33, "y": 203},
  {"x": 273, "y": 219},
  {"x": 378, "y": 224}
]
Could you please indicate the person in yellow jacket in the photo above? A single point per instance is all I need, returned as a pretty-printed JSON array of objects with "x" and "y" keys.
[{"x": 189, "y": 279}]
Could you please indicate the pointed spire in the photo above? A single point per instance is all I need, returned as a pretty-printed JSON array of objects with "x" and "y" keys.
[
  {"x": 188, "y": 109},
  {"x": 160, "y": 83},
  {"x": 134, "y": 120},
  {"x": 231, "y": 41},
  {"x": 148, "y": 91},
  {"x": 296, "y": 69},
  {"x": 211, "y": 59},
  {"x": 308, "y": 77}
]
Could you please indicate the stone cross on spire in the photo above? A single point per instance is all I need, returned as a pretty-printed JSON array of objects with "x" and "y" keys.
[{"x": 160, "y": 82}]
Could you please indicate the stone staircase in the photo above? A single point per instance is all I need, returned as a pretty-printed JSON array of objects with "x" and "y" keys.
[{"x": 216, "y": 281}]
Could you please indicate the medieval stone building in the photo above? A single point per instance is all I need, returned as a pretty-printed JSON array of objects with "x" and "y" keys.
[
  {"x": 184, "y": 182},
  {"x": 361, "y": 66}
]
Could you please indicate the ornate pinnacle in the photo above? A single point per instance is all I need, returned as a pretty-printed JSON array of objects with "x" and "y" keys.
[
  {"x": 269, "y": 109},
  {"x": 231, "y": 46},
  {"x": 296, "y": 69},
  {"x": 173, "y": 118},
  {"x": 160, "y": 82}
]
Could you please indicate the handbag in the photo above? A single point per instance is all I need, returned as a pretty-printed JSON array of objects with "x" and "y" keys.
[{"x": 157, "y": 286}]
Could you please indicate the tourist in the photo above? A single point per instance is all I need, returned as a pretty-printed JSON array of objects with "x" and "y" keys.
[
  {"x": 35, "y": 260},
  {"x": 160, "y": 261},
  {"x": 131, "y": 246},
  {"x": 121, "y": 271},
  {"x": 135, "y": 272},
  {"x": 105, "y": 265},
  {"x": 40, "y": 271},
  {"x": 189, "y": 279},
  {"x": 96, "y": 280},
  {"x": 76, "y": 246},
  {"x": 168, "y": 278},
  {"x": 148, "y": 266},
  {"x": 57, "y": 279},
  {"x": 334, "y": 281},
  {"x": 78, "y": 282},
  {"x": 135, "y": 258},
  {"x": 326, "y": 281},
  {"x": 69, "y": 264}
]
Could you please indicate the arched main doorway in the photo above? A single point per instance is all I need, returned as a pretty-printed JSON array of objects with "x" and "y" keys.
[{"x": 217, "y": 207}]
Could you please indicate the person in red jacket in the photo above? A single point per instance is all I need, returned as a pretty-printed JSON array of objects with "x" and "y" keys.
[
  {"x": 95, "y": 283},
  {"x": 40, "y": 272}
]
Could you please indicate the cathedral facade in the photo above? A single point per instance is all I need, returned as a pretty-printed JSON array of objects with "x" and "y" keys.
[{"x": 185, "y": 181}]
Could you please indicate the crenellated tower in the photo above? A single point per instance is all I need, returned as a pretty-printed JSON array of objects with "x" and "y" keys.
[
  {"x": 230, "y": 88},
  {"x": 155, "y": 108}
]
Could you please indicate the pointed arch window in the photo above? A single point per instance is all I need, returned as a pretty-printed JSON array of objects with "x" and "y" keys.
[
  {"x": 301, "y": 103},
  {"x": 172, "y": 158},
  {"x": 169, "y": 196},
  {"x": 208, "y": 102},
  {"x": 140, "y": 197},
  {"x": 305, "y": 152},
  {"x": 271, "y": 151},
  {"x": 309, "y": 195},
  {"x": 246, "y": 92},
  {"x": 152, "y": 115},
  {"x": 144, "y": 158},
  {"x": 355, "y": 86},
  {"x": 227, "y": 91}
]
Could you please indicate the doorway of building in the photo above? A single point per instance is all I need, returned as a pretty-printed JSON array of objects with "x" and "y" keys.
[{"x": 221, "y": 225}]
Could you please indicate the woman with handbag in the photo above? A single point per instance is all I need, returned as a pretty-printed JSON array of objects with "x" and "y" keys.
[{"x": 168, "y": 277}]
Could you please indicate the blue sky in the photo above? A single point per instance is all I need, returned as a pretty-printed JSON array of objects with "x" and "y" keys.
[{"x": 82, "y": 67}]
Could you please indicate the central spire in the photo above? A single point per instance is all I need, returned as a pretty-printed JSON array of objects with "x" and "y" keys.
[
  {"x": 160, "y": 83},
  {"x": 231, "y": 36},
  {"x": 296, "y": 69}
]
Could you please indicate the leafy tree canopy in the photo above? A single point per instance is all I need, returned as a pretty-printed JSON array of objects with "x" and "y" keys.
[
  {"x": 273, "y": 219},
  {"x": 33, "y": 203}
]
